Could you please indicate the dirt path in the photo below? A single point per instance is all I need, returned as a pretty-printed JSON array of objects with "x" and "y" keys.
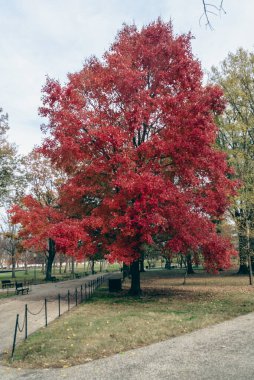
[{"x": 10, "y": 307}]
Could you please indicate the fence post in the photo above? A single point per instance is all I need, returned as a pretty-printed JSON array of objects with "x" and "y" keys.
[
  {"x": 76, "y": 296},
  {"x": 26, "y": 322},
  {"x": 15, "y": 336},
  {"x": 59, "y": 305},
  {"x": 46, "y": 312},
  {"x": 81, "y": 293},
  {"x": 85, "y": 291},
  {"x": 68, "y": 298}
]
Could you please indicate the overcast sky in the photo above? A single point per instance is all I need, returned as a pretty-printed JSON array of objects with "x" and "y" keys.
[{"x": 53, "y": 37}]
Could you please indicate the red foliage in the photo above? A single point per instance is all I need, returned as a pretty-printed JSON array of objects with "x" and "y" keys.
[{"x": 135, "y": 134}]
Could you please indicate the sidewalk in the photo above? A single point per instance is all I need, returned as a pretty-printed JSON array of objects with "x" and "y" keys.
[
  {"x": 10, "y": 307},
  {"x": 222, "y": 352}
]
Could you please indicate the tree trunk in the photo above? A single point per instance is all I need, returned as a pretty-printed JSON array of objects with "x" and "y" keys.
[
  {"x": 50, "y": 259},
  {"x": 189, "y": 264},
  {"x": 243, "y": 268},
  {"x": 92, "y": 267},
  {"x": 13, "y": 262},
  {"x": 26, "y": 272},
  {"x": 72, "y": 266},
  {"x": 135, "y": 289},
  {"x": 126, "y": 270},
  {"x": 250, "y": 271},
  {"x": 142, "y": 262},
  {"x": 252, "y": 263},
  {"x": 60, "y": 263},
  {"x": 167, "y": 263},
  {"x": 66, "y": 266},
  {"x": 181, "y": 261},
  {"x": 251, "y": 251},
  {"x": 43, "y": 267}
]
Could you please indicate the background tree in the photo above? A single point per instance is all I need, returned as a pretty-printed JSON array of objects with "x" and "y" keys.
[
  {"x": 11, "y": 179},
  {"x": 37, "y": 212},
  {"x": 135, "y": 135},
  {"x": 236, "y": 137},
  {"x": 10, "y": 241},
  {"x": 8, "y": 160}
]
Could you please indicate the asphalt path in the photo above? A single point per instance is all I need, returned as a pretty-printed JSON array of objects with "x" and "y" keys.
[
  {"x": 220, "y": 352},
  {"x": 10, "y": 307}
]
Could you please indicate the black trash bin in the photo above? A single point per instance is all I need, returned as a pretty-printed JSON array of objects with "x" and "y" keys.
[{"x": 115, "y": 284}]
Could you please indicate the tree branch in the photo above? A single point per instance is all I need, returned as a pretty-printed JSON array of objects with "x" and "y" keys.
[{"x": 211, "y": 9}]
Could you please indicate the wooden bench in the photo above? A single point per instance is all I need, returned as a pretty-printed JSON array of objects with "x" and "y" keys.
[
  {"x": 20, "y": 288},
  {"x": 7, "y": 284},
  {"x": 77, "y": 275}
]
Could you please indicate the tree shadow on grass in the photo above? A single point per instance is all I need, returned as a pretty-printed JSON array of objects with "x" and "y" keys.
[{"x": 150, "y": 294}]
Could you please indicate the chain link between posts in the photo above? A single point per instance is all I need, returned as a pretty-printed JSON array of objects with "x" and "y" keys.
[
  {"x": 85, "y": 292},
  {"x": 30, "y": 312}
]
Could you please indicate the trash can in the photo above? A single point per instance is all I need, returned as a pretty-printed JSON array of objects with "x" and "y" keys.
[{"x": 115, "y": 284}]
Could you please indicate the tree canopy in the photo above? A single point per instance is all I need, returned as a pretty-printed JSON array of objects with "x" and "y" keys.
[
  {"x": 236, "y": 137},
  {"x": 8, "y": 159},
  {"x": 135, "y": 134}
]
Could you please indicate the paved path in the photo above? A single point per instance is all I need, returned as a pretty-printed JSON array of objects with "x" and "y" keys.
[
  {"x": 221, "y": 352},
  {"x": 10, "y": 307}
]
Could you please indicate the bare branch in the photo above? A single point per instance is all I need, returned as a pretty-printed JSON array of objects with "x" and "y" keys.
[{"x": 207, "y": 11}]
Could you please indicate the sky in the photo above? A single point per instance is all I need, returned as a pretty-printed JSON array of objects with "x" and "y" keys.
[{"x": 54, "y": 37}]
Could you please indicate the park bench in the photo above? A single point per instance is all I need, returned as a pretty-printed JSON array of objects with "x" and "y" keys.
[
  {"x": 77, "y": 275},
  {"x": 20, "y": 288},
  {"x": 7, "y": 284}
]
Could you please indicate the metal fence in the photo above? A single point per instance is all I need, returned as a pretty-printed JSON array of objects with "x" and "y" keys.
[{"x": 71, "y": 299}]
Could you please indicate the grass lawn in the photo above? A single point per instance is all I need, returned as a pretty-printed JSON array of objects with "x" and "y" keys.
[
  {"x": 30, "y": 276},
  {"x": 114, "y": 323},
  {"x": 6, "y": 294},
  {"x": 22, "y": 276}
]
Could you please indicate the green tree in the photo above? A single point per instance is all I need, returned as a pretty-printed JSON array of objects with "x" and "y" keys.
[
  {"x": 236, "y": 138},
  {"x": 8, "y": 159},
  {"x": 10, "y": 241}
]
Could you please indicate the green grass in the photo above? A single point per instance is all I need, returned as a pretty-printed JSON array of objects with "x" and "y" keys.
[
  {"x": 7, "y": 294},
  {"x": 113, "y": 323},
  {"x": 30, "y": 276},
  {"x": 21, "y": 275}
]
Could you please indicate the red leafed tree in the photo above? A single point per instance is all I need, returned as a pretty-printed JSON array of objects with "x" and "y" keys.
[
  {"x": 46, "y": 229},
  {"x": 135, "y": 134}
]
